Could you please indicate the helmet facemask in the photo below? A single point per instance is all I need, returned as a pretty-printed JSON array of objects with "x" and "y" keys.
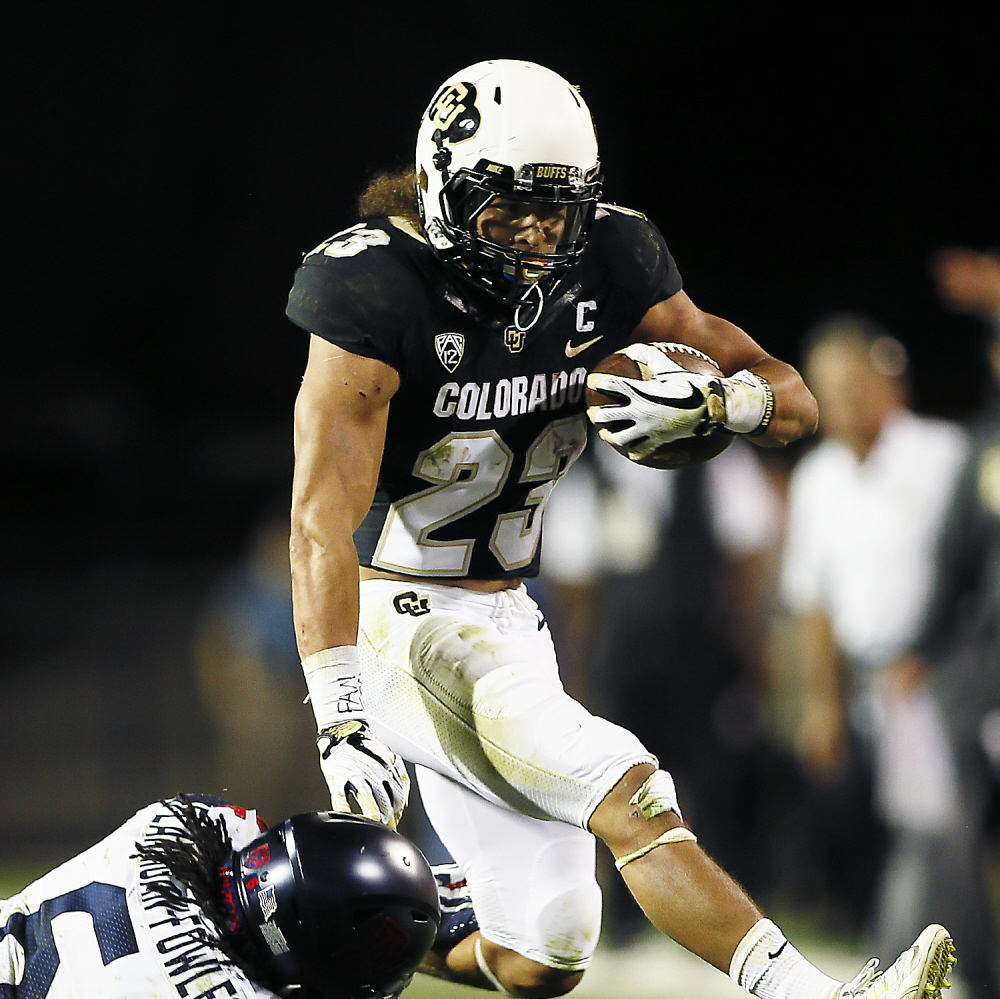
[{"x": 512, "y": 233}]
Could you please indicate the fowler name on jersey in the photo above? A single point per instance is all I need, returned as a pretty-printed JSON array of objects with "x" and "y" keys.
[
  {"x": 484, "y": 423},
  {"x": 96, "y": 926}
]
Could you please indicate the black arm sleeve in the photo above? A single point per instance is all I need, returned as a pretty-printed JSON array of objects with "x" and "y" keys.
[{"x": 639, "y": 265}]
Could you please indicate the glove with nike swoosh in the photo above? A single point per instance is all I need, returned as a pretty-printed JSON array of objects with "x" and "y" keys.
[
  {"x": 672, "y": 403},
  {"x": 364, "y": 776}
]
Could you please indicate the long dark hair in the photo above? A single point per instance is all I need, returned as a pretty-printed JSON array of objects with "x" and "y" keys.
[
  {"x": 390, "y": 192},
  {"x": 193, "y": 857}
]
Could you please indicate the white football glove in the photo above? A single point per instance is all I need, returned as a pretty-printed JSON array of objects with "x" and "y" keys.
[
  {"x": 365, "y": 777},
  {"x": 672, "y": 403}
]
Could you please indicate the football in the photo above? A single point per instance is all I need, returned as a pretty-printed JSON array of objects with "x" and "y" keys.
[{"x": 684, "y": 450}]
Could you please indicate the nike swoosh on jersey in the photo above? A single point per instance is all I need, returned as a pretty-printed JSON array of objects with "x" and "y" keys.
[
  {"x": 693, "y": 401},
  {"x": 572, "y": 351}
]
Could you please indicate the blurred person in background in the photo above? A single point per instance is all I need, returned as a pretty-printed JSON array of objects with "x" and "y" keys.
[
  {"x": 680, "y": 563},
  {"x": 247, "y": 668},
  {"x": 956, "y": 657},
  {"x": 968, "y": 282},
  {"x": 864, "y": 512}
]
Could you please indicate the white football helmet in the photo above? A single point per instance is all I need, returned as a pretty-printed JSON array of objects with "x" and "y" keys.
[{"x": 517, "y": 132}]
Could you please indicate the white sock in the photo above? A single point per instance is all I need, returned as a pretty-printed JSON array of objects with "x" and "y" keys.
[{"x": 769, "y": 967}]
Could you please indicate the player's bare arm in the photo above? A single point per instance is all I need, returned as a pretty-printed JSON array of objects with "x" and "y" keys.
[
  {"x": 340, "y": 420},
  {"x": 679, "y": 320}
]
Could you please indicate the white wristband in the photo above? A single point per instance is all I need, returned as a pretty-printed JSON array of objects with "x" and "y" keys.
[
  {"x": 333, "y": 677},
  {"x": 749, "y": 402}
]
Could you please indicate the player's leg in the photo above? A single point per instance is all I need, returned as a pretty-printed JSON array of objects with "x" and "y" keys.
[
  {"x": 479, "y": 962},
  {"x": 688, "y": 897},
  {"x": 533, "y": 889},
  {"x": 681, "y": 890},
  {"x": 467, "y": 684},
  {"x": 469, "y": 687}
]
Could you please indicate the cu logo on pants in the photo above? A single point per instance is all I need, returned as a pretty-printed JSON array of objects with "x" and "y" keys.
[{"x": 411, "y": 603}]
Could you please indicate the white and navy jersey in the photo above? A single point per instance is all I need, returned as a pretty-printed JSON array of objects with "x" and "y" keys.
[
  {"x": 93, "y": 929},
  {"x": 487, "y": 416}
]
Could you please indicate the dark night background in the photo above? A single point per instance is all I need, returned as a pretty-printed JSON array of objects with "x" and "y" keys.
[{"x": 169, "y": 163}]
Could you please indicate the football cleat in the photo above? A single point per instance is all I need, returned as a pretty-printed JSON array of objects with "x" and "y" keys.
[
  {"x": 918, "y": 973},
  {"x": 458, "y": 918}
]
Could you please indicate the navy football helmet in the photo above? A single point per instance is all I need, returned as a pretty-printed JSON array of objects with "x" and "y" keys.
[{"x": 338, "y": 904}]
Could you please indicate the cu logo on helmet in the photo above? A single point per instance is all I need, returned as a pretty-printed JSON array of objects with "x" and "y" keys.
[
  {"x": 411, "y": 603},
  {"x": 454, "y": 112}
]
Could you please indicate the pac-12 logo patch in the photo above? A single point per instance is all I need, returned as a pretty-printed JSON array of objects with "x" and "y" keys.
[{"x": 450, "y": 347}]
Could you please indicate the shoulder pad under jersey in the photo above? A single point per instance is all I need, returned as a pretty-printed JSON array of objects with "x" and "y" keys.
[
  {"x": 358, "y": 288},
  {"x": 635, "y": 253}
]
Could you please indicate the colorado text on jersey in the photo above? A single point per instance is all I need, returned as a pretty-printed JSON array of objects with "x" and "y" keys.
[{"x": 510, "y": 396}]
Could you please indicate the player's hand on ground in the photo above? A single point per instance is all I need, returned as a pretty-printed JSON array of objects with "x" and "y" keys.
[
  {"x": 364, "y": 776},
  {"x": 671, "y": 404}
]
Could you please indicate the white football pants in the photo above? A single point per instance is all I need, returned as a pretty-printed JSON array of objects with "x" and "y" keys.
[{"x": 466, "y": 685}]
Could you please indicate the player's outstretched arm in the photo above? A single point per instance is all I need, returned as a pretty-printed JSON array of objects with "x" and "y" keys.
[
  {"x": 795, "y": 413},
  {"x": 340, "y": 420}
]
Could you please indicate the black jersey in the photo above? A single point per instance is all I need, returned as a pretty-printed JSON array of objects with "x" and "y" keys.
[{"x": 487, "y": 416}]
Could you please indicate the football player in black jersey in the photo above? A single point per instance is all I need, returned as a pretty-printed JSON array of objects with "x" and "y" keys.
[{"x": 452, "y": 332}]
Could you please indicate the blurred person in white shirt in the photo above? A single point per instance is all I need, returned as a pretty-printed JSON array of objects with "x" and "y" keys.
[{"x": 865, "y": 509}]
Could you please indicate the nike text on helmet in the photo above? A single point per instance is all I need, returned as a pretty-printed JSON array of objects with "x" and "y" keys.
[
  {"x": 511, "y": 130},
  {"x": 337, "y": 903}
]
